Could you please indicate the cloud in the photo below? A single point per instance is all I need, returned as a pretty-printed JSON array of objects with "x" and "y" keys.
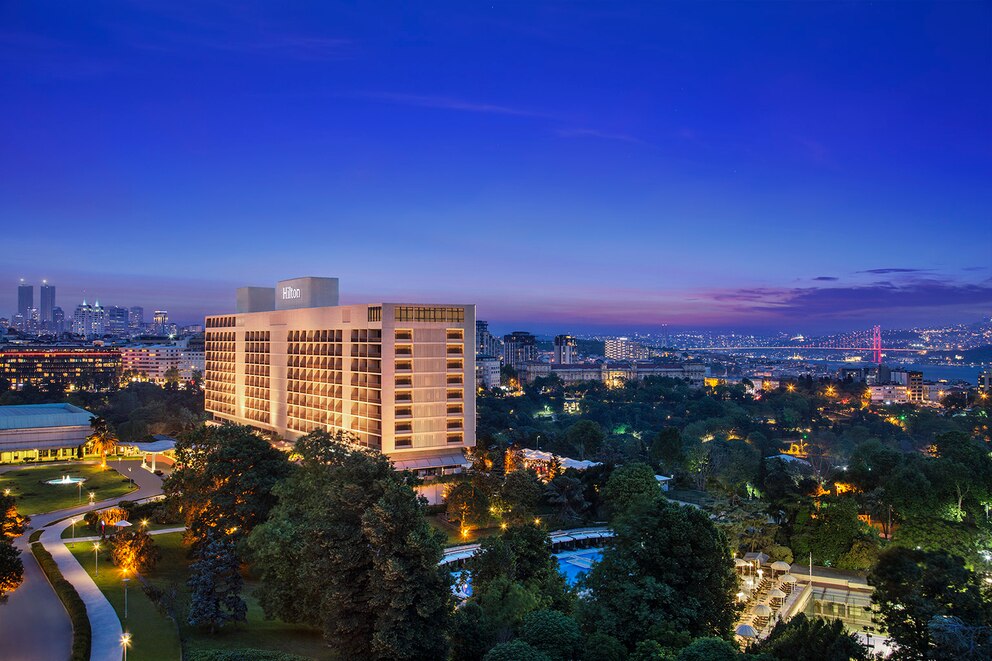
[
  {"x": 825, "y": 278},
  {"x": 897, "y": 270},
  {"x": 451, "y": 103},
  {"x": 604, "y": 135}
]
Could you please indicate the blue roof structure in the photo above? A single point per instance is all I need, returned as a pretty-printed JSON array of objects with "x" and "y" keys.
[{"x": 35, "y": 416}]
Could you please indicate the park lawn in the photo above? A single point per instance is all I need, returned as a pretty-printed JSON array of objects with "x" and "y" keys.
[
  {"x": 36, "y": 497},
  {"x": 154, "y": 636},
  {"x": 257, "y": 632}
]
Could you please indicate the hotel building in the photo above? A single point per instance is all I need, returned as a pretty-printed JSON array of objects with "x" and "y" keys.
[
  {"x": 399, "y": 377},
  {"x": 72, "y": 367}
]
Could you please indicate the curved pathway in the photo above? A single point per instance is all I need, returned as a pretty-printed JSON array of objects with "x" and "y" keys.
[{"x": 33, "y": 623}]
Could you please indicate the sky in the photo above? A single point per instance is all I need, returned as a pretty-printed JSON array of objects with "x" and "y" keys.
[{"x": 566, "y": 166}]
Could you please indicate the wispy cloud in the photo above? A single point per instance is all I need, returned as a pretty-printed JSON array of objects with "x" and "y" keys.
[
  {"x": 452, "y": 103},
  {"x": 603, "y": 135},
  {"x": 825, "y": 278},
  {"x": 896, "y": 270}
]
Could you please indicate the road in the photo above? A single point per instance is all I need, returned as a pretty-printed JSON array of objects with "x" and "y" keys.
[{"x": 33, "y": 623}]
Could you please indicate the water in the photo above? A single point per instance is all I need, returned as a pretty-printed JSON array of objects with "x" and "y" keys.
[
  {"x": 65, "y": 479},
  {"x": 938, "y": 373},
  {"x": 572, "y": 565}
]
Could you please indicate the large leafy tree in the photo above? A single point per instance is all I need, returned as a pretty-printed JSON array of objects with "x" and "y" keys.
[
  {"x": 916, "y": 591},
  {"x": 567, "y": 495},
  {"x": 667, "y": 566},
  {"x": 584, "y": 438},
  {"x": 134, "y": 551},
  {"x": 629, "y": 484},
  {"x": 223, "y": 481},
  {"x": 215, "y": 585},
  {"x": 348, "y": 549},
  {"x": 810, "y": 639},
  {"x": 466, "y": 502}
]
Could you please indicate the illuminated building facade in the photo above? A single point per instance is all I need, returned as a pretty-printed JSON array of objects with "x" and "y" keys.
[
  {"x": 399, "y": 377},
  {"x": 621, "y": 348},
  {"x": 616, "y": 373},
  {"x": 75, "y": 368},
  {"x": 151, "y": 363},
  {"x": 564, "y": 348},
  {"x": 519, "y": 348}
]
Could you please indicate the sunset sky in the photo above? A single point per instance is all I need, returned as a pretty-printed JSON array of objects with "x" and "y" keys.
[{"x": 573, "y": 167}]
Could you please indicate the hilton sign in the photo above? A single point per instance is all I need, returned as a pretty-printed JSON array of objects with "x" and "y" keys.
[{"x": 290, "y": 293}]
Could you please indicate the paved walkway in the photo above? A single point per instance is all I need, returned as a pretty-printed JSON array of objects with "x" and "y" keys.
[{"x": 33, "y": 623}]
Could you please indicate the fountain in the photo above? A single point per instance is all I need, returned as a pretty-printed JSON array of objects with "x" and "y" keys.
[{"x": 66, "y": 479}]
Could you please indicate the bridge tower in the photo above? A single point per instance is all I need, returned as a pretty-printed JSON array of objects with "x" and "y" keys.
[{"x": 876, "y": 344}]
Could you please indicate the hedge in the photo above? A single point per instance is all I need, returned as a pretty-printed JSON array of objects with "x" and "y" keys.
[
  {"x": 82, "y": 635},
  {"x": 246, "y": 654}
]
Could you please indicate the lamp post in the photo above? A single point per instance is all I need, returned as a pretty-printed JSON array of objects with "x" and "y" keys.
[
  {"x": 79, "y": 489},
  {"x": 125, "y": 643},
  {"x": 96, "y": 558},
  {"x": 92, "y": 497},
  {"x": 124, "y": 580},
  {"x": 74, "y": 529},
  {"x": 129, "y": 476}
]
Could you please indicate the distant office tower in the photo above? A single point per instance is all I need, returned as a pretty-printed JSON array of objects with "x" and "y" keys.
[
  {"x": 58, "y": 319},
  {"x": 399, "y": 378},
  {"x": 564, "y": 346},
  {"x": 622, "y": 348},
  {"x": 161, "y": 321},
  {"x": 89, "y": 320},
  {"x": 486, "y": 344},
  {"x": 117, "y": 320},
  {"x": 135, "y": 317},
  {"x": 519, "y": 347},
  {"x": 47, "y": 303},
  {"x": 25, "y": 299}
]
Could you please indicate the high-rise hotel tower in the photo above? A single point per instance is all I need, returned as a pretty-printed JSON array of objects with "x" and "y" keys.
[{"x": 400, "y": 377}]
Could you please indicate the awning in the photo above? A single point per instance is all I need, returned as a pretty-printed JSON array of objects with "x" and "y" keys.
[
  {"x": 153, "y": 446},
  {"x": 443, "y": 461}
]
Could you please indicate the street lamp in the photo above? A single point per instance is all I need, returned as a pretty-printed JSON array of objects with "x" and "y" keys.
[
  {"x": 125, "y": 643},
  {"x": 96, "y": 558},
  {"x": 92, "y": 497},
  {"x": 74, "y": 528},
  {"x": 124, "y": 580},
  {"x": 79, "y": 489},
  {"x": 129, "y": 476}
]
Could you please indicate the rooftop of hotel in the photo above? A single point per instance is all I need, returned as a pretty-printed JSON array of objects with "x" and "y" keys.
[{"x": 33, "y": 416}]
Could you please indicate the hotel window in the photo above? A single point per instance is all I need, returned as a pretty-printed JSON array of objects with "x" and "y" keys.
[
  {"x": 404, "y": 365},
  {"x": 454, "y": 438},
  {"x": 403, "y": 411},
  {"x": 404, "y": 442},
  {"x": 455, "y": 364},
  {"x": 404, "y": 335},
  {"x": 375, "y": 313},
  {"x": 454, "y": 409}
]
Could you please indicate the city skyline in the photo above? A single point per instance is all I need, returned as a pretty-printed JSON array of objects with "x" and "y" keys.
[{"x": 816, "y": 167}]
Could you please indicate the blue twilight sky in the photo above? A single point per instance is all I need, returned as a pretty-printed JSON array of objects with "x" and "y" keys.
[{"x": 567, "y": 166}]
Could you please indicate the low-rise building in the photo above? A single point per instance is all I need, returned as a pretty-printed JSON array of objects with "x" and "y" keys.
[
  {"x": 151, "y": 363},
  {"x": 70, "y": 367},
  {"x": 614, "y": 374},
  {"x": 889, "y": 393},
  {"x": 42, "y": 432},
  {"x": 487, "y": 372}
]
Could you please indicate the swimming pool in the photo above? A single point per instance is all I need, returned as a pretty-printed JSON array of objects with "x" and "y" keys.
[{"x": 572, "y": 564}]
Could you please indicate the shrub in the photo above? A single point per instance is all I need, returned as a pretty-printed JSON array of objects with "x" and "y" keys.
[
  {"x": 82, "y": 635},
  {"x": 515, "y": 650},
  {"x": 246, "y": 654}
]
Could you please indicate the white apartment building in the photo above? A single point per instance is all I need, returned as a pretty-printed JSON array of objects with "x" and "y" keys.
[
  {"x": 399, "y": 377},
  {"x": 487, "y": 372},
  {"x": 622, "y": 348},
  {"x": 151, "y": 362}
]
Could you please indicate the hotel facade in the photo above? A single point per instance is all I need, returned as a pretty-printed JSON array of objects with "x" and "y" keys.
[{"x": 399, "y": 377}]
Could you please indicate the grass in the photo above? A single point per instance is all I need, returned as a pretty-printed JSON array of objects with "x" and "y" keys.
[
  {"x": 36, "y": 497},
  {"x": 154, "y": 636},
  {"x": 82, "y": 635},
  {"x": 171, "y": 573}
]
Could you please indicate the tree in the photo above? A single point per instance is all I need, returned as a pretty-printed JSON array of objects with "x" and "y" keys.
[
  {"x": 521, "y": 493},
  {"x": 567, "y": 495},
  {"x": 810, "y": 639},
  {"x": 215, "y": 586},
  {"x": 629, "y": 484},
  {"x": 102, "y": 440},
  {"x": 666, "y": 565},
  {"x": 134, "y": 551},
  {"x": 515, "y": 650},
  {"x": 466, "y": 503},
  {"x": 914, "y": 589},
  {"x": 521, "y": 554},
  {"x": 666, "y": 448},
  {"x": 223, "y": 481},
  {"x": 709, "y": 649},
  {"x": 315, "y": 565},
  {"x": 471, "y": 632},
  {"x": 551, "y": 632},
  {"x": 600, "y": 647},
  {"x": 11, "y": 527},
  {"x": 831, "y": 534},
  {"x": 172, "y": 376},
  {"x": 585, "y": 437}
]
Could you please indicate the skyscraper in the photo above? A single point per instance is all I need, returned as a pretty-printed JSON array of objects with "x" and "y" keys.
[
  {"x": 47, "y": 303},
  {"x": 89, "y": 320},
  {"x": 25, "y": 299},
  {"x": 117, "y": 320},
  {"x": 136, "y": 317},
  {"x": 519, "y": 347},
  {"x": 161, "y": 321},
  {"x": 564, "y": 346}
]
